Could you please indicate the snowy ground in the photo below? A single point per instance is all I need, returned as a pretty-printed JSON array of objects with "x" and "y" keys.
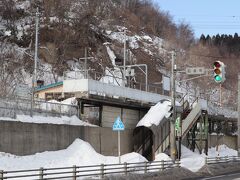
[
  {"x": 194, "y": 161},
  {"x": 79, "y": 153},
  {"x": 82, "y": 153}
]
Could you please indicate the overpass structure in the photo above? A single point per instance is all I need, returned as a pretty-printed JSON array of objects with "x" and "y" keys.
[{"x": 131, "y": 105}]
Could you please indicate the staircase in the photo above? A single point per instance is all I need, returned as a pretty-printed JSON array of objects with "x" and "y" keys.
[
  {"x": 147, "y": 145},
  {"x": 190, "y": 116}
]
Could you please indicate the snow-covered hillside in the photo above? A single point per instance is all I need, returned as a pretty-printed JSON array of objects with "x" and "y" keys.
[{"x": 107, "y": 39}]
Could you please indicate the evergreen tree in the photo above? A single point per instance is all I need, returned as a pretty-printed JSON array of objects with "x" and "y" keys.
[
  {"x": 202, "y": 39},
  {"x": 217, "y": 40},
  {"x": 208, "y": 40}
]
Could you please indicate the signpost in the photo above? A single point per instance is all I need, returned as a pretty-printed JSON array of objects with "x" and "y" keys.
[{"x": 118, "y": 126}]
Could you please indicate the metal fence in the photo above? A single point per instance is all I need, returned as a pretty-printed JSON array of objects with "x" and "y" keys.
[
  {"x": 10, "y": 107},
  {"x": 110, "y": 78},
  {"x": 218, "y": 159},
  {"x": 97, "y": 171}
]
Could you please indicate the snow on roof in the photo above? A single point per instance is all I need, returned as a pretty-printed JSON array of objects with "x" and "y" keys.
[
  {"x": 156, "y": 114},
  {"x": 79, "y": 153}
]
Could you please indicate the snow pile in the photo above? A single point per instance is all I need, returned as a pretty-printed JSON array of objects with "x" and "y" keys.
[
  {"x": 79, "y": 153},
  {"x": 192, "y": 160},
  {"x": 156, "y": 114},
  {"x": 162, "y": 157},
  {"x": 223, "y": 150},
  {"x": 74, "y": 120}
]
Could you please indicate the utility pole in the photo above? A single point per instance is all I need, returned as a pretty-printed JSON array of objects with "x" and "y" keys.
[
  {"x": 34, "y": 78},
  {"x": 85, "y": 64},
  {"x": 172, "y": 121},
  {"x": 238, "y": 114},
  {"x": 124, "y": 59}
]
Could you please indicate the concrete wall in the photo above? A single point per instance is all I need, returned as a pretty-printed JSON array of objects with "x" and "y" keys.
[
  {"x": 28, "y": 138},
  {"x": 230, "y": 141}
]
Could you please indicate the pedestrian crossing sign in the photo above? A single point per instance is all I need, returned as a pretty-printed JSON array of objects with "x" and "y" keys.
[{"x": 118, "y": 125}]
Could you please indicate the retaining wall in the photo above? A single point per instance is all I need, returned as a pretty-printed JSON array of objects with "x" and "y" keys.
[{"x": 28, "y": 138}]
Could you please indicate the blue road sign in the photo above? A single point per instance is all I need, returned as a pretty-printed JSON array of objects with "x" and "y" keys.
[{"x": 118, "y": 125}]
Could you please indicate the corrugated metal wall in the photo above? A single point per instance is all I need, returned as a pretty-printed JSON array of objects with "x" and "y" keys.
[{"x": 130, "y": 117}]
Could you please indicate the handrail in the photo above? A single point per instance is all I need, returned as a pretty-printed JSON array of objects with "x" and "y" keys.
[
  {"x": 142, "y": 86},
  {"x": 166, "y": 136},
  {"x": 196, "y": 100},
  {"x": 182, "y": 99},
  {"x": 144, "y": 143}
]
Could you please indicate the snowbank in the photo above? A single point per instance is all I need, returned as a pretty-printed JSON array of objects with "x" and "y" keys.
[
  {"x": 162, "y": 157},
  {"x": 79, "y": 153},
  {"x": 156, "y": 114},
  {"x": 223, "y": 150},
  {"x": 74, "y": 120},
  {"x": 192, "y": 160}
]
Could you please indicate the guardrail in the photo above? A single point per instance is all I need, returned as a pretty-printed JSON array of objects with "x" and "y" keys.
[
  {"x": 110, "y": 78},
  {"x": 98, "y": 171},
  {"x": 218, "y": 159}
]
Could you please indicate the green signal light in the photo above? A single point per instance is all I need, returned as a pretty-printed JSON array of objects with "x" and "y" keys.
[{"x": 218, "y": 78}]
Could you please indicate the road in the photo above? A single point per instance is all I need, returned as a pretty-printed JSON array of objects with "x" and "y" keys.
[{"x": 235, "y": 176}]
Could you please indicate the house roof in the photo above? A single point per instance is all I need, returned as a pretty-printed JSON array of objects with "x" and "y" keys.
[{"x": 49, "y": 86}]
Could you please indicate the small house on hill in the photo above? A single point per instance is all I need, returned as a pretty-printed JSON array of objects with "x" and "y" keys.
[{"x": 51, "y": 91}]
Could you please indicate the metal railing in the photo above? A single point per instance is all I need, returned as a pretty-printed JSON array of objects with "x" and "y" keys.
[
  {"x": 98, "y": 171},
  {"x": 219, "y": 159},
  {"x": 110, "y": 78},
  {"x": 10, "y": 107}
]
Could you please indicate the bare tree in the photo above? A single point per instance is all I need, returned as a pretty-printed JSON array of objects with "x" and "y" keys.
[{"x": 11, "y": 70}]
